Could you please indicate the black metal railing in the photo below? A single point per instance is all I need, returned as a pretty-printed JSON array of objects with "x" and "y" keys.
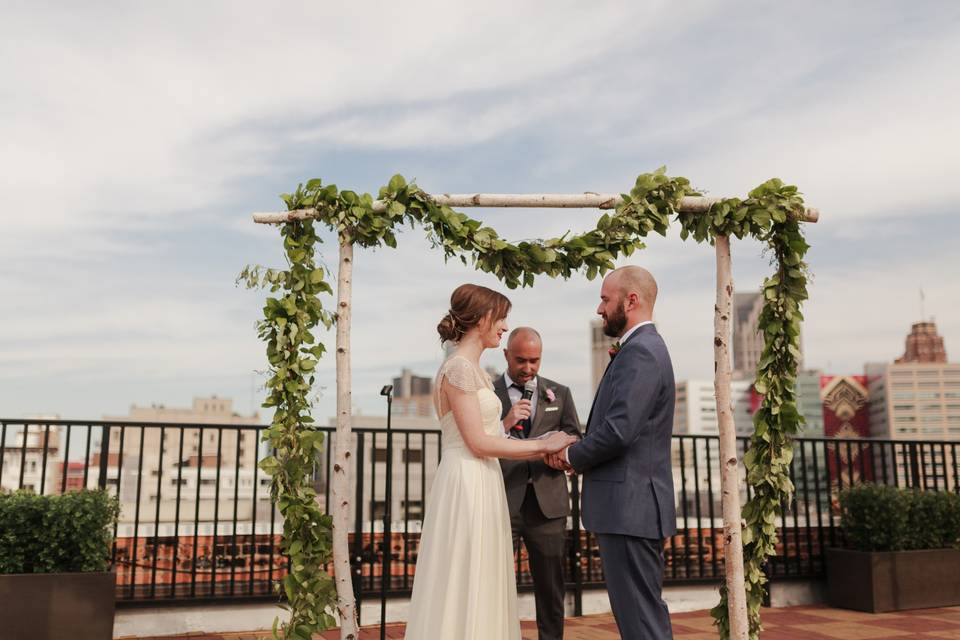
[{"x": 197, "y": 523}]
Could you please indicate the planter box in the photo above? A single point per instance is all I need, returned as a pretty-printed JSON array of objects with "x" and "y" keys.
[
  {"x": 877, "y": 581},
  {"x": 42, "y": 606}
]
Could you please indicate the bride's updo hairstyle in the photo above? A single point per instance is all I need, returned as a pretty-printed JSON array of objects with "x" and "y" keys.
[{"x": 469, "y": 305}]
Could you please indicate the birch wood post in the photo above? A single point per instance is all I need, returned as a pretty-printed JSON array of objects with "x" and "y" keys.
[
  {"x": 340, "y": 483},
  {"x": 729, "y": 463}
]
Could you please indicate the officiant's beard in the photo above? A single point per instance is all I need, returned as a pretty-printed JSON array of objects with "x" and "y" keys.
[{"x": 615, "y": 323}]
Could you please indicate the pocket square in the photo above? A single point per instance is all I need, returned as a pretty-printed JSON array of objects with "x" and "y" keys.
[{"x": 551, "y": 409}]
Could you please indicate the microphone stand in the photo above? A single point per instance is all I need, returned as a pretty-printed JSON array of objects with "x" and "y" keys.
[{"x": 387, "y": 391}]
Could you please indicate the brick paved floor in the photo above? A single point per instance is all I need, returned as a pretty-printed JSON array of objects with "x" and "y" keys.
[{"x": 792, "y": 623}]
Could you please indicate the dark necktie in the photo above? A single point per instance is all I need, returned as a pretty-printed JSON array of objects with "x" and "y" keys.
[{"x": 526, "y": 424}]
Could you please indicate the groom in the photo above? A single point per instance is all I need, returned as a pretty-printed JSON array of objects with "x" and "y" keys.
[{"x": 625, "y": 457}]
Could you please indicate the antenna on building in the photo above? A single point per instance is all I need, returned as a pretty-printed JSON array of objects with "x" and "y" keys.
[{"x": 923, "y": 317}]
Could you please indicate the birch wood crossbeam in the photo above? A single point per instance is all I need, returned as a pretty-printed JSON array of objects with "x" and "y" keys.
[{"x": 695, "y": 204}]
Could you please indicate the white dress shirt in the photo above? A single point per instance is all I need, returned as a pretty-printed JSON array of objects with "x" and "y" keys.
[{"x": 626, "y": 334}]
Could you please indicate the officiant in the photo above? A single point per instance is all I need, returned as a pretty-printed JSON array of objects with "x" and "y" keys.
[{"x": 537, "y": 495}]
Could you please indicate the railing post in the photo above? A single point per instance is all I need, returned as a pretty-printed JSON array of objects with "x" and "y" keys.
[
  {"x": 576, "y": 550},
  {"x": 104, "y": 457},
  {"x": 358, "y": 528},
  {"x": 914, "y": 466}
]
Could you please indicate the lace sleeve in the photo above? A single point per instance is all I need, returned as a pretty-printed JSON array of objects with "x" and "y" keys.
[{"x": 461, "y": 374}]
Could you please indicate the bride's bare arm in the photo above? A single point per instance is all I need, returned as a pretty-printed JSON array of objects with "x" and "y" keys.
[{"x": 466, "y": 413}]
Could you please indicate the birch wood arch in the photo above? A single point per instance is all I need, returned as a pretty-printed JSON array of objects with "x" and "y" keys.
[{"x": 772, "y": 213}]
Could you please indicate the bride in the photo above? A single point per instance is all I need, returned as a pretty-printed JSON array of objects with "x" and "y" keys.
[{"x": 464, "y": 587}]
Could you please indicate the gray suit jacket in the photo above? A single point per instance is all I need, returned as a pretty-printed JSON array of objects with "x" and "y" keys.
[
  {"x": 625, "y": 456},
  {"x": 550, "y": 485}
]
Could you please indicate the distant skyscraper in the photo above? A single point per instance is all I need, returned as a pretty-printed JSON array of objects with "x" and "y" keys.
[
  {"x": 747, "y": 338},
  {"x": 810, "y": 402},
  {"x": 924, "y": 344},
  {"x": 695, "y": 411},
  {"x": 846, "y": 406},
  {"x": 918, "y": 396},
  {"x": 408, "y": 385},
  {"x": 599, "y": 351},
  {"x": 412, "y": 395}
]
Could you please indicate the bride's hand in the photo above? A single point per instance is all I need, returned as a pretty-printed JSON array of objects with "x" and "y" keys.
[{"x": 558, "y": 441}]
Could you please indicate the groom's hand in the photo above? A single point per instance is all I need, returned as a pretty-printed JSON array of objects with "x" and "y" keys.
[{"x": 558, "y": 461}]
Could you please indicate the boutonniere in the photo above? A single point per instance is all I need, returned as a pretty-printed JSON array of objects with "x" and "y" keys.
[
  {"x": 613, "y": 350},
  {"x": 551, "y": 396}
]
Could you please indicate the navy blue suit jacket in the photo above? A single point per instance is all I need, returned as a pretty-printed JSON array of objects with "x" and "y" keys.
[{"x": 625, "y": 455}]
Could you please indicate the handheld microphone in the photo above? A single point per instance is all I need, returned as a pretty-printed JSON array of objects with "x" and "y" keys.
[{"x": 528, "y": 390}]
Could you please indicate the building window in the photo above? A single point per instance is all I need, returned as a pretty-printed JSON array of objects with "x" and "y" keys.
[
  {"x": 412, "y": 509},
  {"x": 414, "y": 456}
]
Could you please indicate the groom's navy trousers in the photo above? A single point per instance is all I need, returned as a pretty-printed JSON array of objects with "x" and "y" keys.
[{"x": 627, "y": 497}]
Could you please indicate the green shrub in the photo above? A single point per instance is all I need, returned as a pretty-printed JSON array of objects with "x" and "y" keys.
[
  {"x": 880, "y": 518},
  {"x": 934, "y": 520},
  {"x": 72, "y": 532}
]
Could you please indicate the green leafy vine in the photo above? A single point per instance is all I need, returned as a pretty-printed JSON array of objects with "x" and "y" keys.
[
  {"x": 770, "y": 214},
  {"x": 293, "y": 353}
]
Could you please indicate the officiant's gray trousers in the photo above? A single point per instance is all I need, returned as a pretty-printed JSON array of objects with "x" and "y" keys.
[{"x": 544, "y": 539}]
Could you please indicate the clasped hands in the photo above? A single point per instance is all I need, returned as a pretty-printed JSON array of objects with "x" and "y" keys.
[{"x": 555, "y": 457}]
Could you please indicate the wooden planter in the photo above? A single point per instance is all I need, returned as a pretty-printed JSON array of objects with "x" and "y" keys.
[
  {"x": 877, "y": 581},
  {"x": 57, "y": 606}
]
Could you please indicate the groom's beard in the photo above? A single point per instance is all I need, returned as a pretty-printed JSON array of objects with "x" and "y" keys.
[{"x": 615, "y": 323}]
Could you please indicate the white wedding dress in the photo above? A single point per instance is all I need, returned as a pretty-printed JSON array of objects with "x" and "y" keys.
[{"x": 465, "y": 586}]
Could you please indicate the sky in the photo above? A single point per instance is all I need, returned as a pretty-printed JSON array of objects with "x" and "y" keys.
[{"x": 137, "y": 138}]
